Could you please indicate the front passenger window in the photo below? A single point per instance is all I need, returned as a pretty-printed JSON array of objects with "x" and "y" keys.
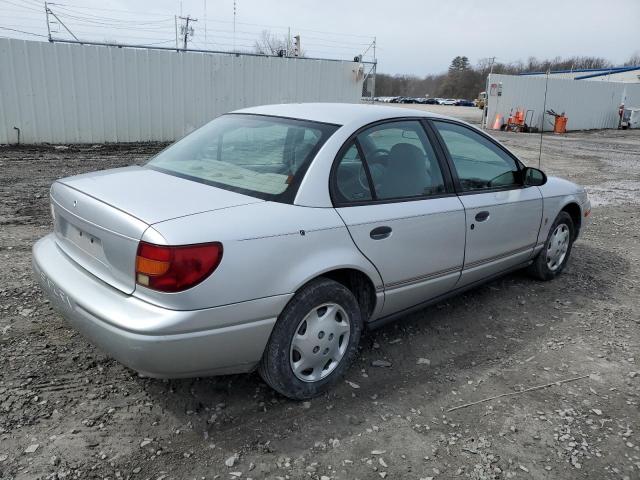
[{"x": 480, "y": 164}]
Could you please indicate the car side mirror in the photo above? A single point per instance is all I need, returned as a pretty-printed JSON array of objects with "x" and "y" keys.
[{"x": 533, "y": 177}]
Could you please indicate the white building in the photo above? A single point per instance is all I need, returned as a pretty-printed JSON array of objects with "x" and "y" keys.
[
  {"x": 62, "y": 93},
  {"x": 587, "y": 104},
  {"x": 613, "y": 74}
]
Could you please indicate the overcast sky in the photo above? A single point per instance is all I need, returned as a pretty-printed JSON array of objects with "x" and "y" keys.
[{"x": 413, "y": 36}]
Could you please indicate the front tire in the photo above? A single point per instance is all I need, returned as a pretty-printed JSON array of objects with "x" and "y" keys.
[
  {"x": 552, "y": 259},
  {"x": 314, "y": 340}
]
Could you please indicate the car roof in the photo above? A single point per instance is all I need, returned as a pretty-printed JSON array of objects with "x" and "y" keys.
[{"x": 337, "y": 113}]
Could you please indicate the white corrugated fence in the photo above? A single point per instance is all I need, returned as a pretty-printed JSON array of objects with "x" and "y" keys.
[
  {"x": 66, "y": 93},
  {"x": 588, "y": 105}
]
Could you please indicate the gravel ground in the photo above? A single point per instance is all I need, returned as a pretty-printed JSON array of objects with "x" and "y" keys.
[{"x": 68, "y": 411}]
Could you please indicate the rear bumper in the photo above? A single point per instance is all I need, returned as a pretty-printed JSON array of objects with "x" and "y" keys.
[{"x": 153, "y": 340}]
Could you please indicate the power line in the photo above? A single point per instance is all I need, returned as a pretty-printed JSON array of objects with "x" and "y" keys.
[
  {"x": 79, "y": 25},
  {"x": 342, "y": 42},
  {"x": 163, "y": 29},
  {"x": 337, "y": 47},
  {"x": 323, "y": 39},
  {"x": 22, "y": 31},
  {"x": 230, "y": 22},
  {"x": 92, "y": 25},
  {"x": 156, "y": 29},
  {"x": 34, "y": 3},
  {"x": 110, "y": 23},
  {"x": 160, "y": 43},
  {"x": 27, "y": 20},
  {"x": 209, "y": 44},
  {"x": 84, "y": 35},
  {"x": 102, "y": 19},
  {"x": 66, "y": 5},
  {"x": 26, "y": 7}
]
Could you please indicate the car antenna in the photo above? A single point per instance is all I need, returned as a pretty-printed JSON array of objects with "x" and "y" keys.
[{"x": 544, "y": 109}]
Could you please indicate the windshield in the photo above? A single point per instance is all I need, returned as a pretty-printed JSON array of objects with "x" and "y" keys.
[{"x": 257, "y": 155}]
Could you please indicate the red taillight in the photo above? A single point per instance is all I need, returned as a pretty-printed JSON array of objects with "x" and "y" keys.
[{"x": 176, "y": 268}]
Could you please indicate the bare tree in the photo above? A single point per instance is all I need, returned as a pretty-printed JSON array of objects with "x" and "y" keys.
[
  {"x": 272, "y": 44},
  {"x": 634, "y": 60},
  {"x": 465, "y": 81}
]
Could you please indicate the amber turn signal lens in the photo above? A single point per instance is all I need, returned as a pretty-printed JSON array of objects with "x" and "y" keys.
[{"x": 151, "y": 267}]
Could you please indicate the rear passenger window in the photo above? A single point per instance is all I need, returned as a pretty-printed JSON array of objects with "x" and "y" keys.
[{"x": 401, "y": 161}]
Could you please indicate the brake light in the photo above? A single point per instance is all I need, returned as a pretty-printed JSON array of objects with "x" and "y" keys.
[{"x": 176, "y": 268}]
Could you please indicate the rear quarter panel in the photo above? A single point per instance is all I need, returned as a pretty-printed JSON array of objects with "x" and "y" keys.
[{"x": 269, "y": 249}]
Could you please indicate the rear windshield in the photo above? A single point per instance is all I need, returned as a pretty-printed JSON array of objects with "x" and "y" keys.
[{"x": 257, "y": 155}]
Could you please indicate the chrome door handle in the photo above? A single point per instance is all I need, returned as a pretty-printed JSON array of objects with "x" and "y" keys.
[
  {"x": 482, "y": 216},
  {"x": 380, "y": 233}
]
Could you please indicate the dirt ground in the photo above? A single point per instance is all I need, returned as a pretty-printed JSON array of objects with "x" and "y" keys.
[{"x": 68, "y": 411}]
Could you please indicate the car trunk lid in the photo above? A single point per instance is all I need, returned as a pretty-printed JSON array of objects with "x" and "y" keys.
[
  {"x": 153, "y": 196},
  {"x": 99, "y": 218}
]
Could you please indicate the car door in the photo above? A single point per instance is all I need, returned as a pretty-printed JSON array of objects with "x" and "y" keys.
[
  {"x": 397, "y": 201},
  {"x": 503, "y": 217}
]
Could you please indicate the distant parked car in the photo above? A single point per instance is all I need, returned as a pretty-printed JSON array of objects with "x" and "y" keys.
[
  {"x": 272, "y": 236},
  {"x": 464, "y": 103},
  {"x": 431, "y": 101},
  {"x": 447, "y": 101}
]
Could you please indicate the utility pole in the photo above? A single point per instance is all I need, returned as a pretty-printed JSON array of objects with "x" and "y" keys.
[
  {"x": 185, "y": 30},
  {"x": 297, "y": 48},
  {"x": 50, "y": 12},
  {"x": 205, "y": 23},
  {"x": 175, "y": 19},
  {"x": 234, "y": 25},
  {"x": 483, "y": 122},
  {"x": 46, "y": 13},
  {"x": 493, "y": 59}
]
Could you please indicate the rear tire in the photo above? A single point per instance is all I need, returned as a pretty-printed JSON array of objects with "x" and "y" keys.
[
  {"x": 552, "y": 259},
  {"x": 314, "y": 340}
]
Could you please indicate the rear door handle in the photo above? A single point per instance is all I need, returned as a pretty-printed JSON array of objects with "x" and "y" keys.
[
  {"x": 482, "y": 216},
  {"x": 380, "y": 233}
]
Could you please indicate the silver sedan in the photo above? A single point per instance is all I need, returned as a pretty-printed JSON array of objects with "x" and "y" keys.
[{"x": 270, "y": 237}]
